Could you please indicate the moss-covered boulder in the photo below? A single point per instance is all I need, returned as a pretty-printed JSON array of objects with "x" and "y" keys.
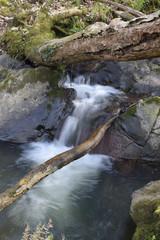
[{"x": 145, "y": 211}]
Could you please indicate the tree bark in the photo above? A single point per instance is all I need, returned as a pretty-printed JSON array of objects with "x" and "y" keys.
[
  {"x": 120, "y": 41},
  {"x": 52, "y": 165}
]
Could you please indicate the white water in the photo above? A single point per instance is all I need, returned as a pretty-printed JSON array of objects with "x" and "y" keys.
[{"x": 56, "y": 195}]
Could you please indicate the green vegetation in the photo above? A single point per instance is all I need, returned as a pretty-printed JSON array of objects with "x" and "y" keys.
[
  {"x": 145, "y": 210},
  {"x": 99, "y": 12},
  {"x": 151, "y": 100},
  {"x": 157, "y": 69},
  {"x": 130, "y": 112},
  {"x": 3, "y": 2},
  {"x": 147, "y": 232},
  {"x": 146, "y": 6},
  {"x": 15, "y": 43}
]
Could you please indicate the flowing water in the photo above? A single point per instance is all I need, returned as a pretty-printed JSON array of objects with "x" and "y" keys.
[{"x": 87, "y": 199}]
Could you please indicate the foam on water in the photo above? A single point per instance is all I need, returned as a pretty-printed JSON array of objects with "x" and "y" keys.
[{"x": 56, "y": 194}]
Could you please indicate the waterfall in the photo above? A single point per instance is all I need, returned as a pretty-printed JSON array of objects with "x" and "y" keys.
[
  {"x": 56, "y": 195},
  {"x": 90, "y": 99}
]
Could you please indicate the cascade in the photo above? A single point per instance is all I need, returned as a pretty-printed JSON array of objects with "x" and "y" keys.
[{"x": 59, "y": 191}]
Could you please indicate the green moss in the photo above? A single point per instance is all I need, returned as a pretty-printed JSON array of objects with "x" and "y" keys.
[
  {"x": 15, "y": 43},
  {"x": 99, "y": 12},
  {"x": 147, "y": 231},
  {"x": 157, "y": 69},
  {"x": 3, "y": 73},
  {"x": 5, "y": 11},
  {"x": 130, "y": 112},
  {"x": 3, "y": 2},
  {"x": 20, "y": 19},
  {"x": 17, "y": 80},
  {"x": 145, "y": 211},
  {"x": 39, "y": 33},
  {"x": 155, "y": 100},
  {"x": 71, "y": 25}
]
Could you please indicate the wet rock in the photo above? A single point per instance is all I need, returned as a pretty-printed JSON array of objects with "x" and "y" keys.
[
  {"x": 32, "y": 105},
  {"x": 145, "y": 211},
  {"x": 135, "y": 134},
  {"x": 140, "y": 77}
]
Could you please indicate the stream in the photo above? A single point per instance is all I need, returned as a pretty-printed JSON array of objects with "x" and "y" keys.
[{"x": 87, "y": 199}]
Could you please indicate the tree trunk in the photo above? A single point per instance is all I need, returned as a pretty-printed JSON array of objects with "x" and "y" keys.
[
  {"x": 52, "y": 165},
  {"x": 118, "y": 41}
]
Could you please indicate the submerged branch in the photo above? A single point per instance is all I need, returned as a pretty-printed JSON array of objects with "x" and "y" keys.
[{"x": 52, "y": 165}]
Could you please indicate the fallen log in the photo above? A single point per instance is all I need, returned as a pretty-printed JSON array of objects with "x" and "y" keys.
[
  {"x": 52, "y": 165},
  {"x": 121, "y": 41}
]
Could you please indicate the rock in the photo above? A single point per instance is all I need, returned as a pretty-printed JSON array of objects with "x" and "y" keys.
[
  {"x": 141, "y": 77},
  {"x": 145, "y": 211},
  {"x": 135, "y": 134},
  {"x": 12, "y": 64},
  {"x": 32, "y": 105}
]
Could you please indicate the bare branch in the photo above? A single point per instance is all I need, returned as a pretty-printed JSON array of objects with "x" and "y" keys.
[{"x": 52, "y": 165}]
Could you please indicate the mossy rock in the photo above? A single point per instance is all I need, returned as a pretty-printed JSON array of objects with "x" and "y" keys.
[
  {"x": 3, "y": 73},
  {"x": 17, "y": 80},
  {"x": 145, "y": 211},
  {"x": 155, "y": 100},
  {"x": 131, "y": 112}
]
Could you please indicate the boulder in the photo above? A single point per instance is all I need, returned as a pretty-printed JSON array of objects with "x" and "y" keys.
[
  {"x": 141, "y": 77},
  {"x": 145, "y": 211},
  {"x": 135, "y": 134},
  {"x": 32, "y": 106}
]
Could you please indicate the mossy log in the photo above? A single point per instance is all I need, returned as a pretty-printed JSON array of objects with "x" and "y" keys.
[
  {"x": 118, "y": 41},
  {"x": 52, "y": 165}
]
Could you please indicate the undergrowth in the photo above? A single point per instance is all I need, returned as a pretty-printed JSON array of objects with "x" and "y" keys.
[
  {"x": 42, "y": 232},
  {"x": 146, "y": 6}
]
